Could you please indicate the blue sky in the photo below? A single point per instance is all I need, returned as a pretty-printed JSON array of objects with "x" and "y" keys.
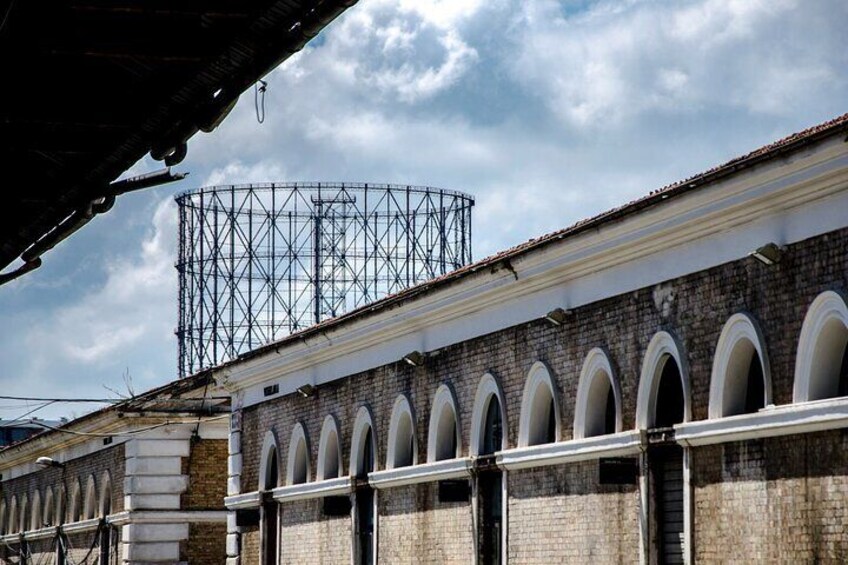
[{"x": 548, "y": 112}]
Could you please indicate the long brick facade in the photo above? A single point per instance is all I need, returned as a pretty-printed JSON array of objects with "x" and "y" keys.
[{"x": 778, "y": 496}]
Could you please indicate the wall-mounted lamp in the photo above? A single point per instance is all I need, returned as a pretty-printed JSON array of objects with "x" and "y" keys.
[
  {"x": 557, "y": 316},
  {"x": 768, "y": 254},
  {"x": 416, "y": 358},
  {"x": 306, "y": 390},
  {"x": 48, "y": 462}
]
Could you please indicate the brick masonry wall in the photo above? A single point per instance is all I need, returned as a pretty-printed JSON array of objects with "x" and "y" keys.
[
  {"x": 205, "y": 468},
  {"x": 110, "y": 459},
  {"x": 694, "y": 308},
  {"x": 416, "y": 528},
  {"x": 307, "y": 536},
  {"x": 561, "y": 514},
  {"x": 774, "y": 500},
  {"x": 206, "y": 544}
]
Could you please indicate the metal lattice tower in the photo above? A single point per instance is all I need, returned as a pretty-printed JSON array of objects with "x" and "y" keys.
[{"x": 257, "y": 262}]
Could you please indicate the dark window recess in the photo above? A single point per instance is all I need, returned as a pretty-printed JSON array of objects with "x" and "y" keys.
[
  {"x": 669, "y": 409},
  {"x": 337, "y": 506},
  {"x": 365, "y": 519},
  {"x": 490, "y": 491},
  {"x": 493, "y": 434},
  {"x": 755, "y": 393},
  {"x": 550, "y": 433},
  {"x": 247, "y": 518},
  {"x": 454, "y": 490},
  {"x": 843, "y": 373},
  {"x": 609, "y": 414},
  {"x": 618, "y": 470},
  {"x": 107, "y": 440},
  {"x": 667, "y": 471},
  {"x": 272, "y": 389}
]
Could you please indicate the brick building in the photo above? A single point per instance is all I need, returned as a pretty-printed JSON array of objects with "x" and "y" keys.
[
  {"x": 663, "y": 383},
  {"x": 142, "y": 481}
]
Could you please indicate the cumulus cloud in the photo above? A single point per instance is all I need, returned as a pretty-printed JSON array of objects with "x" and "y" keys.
[
  {"x": 617, "y": 61},
  {"x": 123, "y": 321}
]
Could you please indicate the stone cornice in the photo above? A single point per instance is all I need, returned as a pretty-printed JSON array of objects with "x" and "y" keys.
[
  {"x": 314, "y": 489},
  {"x": 789, "y": 419},
  {"x": 563, "y": 452},
  {"x": 425, "y": 473}
]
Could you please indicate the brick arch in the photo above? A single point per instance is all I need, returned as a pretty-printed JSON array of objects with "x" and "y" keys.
[
  {"x": 488, "y": 388},
  {"x": 329, "y": 450},
  {"x": 402, "y": 435},
  {"x": 597, "y": 379},
  {"x": 740, "y": 339},
  {"x": 821, "y": 347},
  {"x": 662, "y": 347},
  {"x": 443, "y": 415},
  {"x": 537, "y": 387},
  {"x": 299, "y": 456}
]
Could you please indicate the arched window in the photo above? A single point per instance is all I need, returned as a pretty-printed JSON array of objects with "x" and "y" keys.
[
  {"x": 90, "y": 504},
  {"x": 49, "y": 507},
  {"x": 75, "y": 506},
  {"x": 363, "y": 460},
  {"x": 269, "y": 479},
  {"x": 740, "y": 381},
  {"x": 443, "y": 441},
  {"x": 539, "y": 422},
  {"x": 3, "y": 518},
  {"x": 598, "y": 406},
  {"x": 269, "y": 468},
  {"x": 402, "y": 450},
  {"x": 821, "y": 365},
  {"x": 297, "y": 465},
  {"x": 14, "y": 520},
  {"x": 329, "y": 450},
  {"x": 35, "y": 513},
  {"x": 487, "y": 438},
  {"x": 663, "y": 385},
  {"x": 488, "y": 420}
]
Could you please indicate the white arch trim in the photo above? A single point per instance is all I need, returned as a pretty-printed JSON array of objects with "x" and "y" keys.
[
  {"x": 362, "y": 426},
  {"x": 14, "y": 520},
  {"x": 740, "y": 336},
  {"x": 35, "y": 513},
  {"x": 269, "y": 442},
  {"x": 90, "y": 505},
  {"x": 596, "y": 378},
  {"x": 297, "y": 461},
  {"x": 488, "y": 388},
  {"x": 661, "y": 347},
  {"x": 329, "y": 450},
  {"x": 822, "y": 340},
  {"x": 401, "y": 413},
  {"x": 539, "y": 376},
  {"x": 443, "y": 401},
  {"x": 48, "y": 512},
  {"x": 75, "y": 502},
  {"x": 23, "y": 511},
  {"x": 105, "y": 503}
]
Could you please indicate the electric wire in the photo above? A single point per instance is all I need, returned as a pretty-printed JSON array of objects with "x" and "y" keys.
[{"x": 14, "y": 421}]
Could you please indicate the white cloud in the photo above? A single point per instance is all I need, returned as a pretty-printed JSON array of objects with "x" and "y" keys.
[{"x": 616, "y": 62}]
